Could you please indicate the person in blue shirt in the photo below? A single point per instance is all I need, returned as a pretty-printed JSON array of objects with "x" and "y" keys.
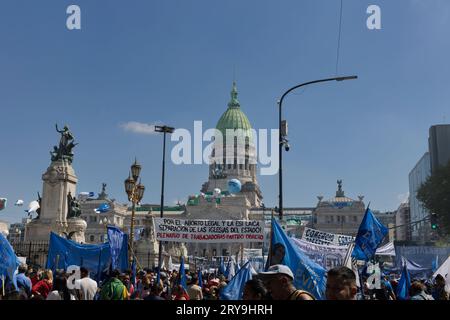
[{"x": 23, "y": 282}]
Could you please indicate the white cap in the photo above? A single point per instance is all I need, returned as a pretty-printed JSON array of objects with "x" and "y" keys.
[{"x": 277, "y": 269}]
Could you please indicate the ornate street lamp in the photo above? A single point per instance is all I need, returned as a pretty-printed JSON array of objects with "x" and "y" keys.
[{"x": 135, "y": 192}]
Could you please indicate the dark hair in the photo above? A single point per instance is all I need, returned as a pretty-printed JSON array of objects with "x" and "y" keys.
[
  {"x": 115, "y": 273},
  {"x": 22, "y": 268},
  {"x": 344, "y": 274},
  {"x": 416, "y": 287},
  {"x": 257, "y": 286},
  {"x": 439, "y": 277},
  {"x": 84, "y": 270},
  {"x": 60, "y": 285},
  {"x": 278, "y": 245}
]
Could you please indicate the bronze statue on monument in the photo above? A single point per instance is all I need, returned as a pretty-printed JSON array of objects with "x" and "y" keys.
[
  {"x": 73, "y": 207},
  {"x": 66, "y": 144}
]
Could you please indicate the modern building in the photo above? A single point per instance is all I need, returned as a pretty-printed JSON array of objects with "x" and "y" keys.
[
  {"x": 403, "y": 223},
  {"x": 438, "y": 155},
  {"x": 439, "y": 145},
  {"x": 418, "y": 175},
  {"x": 339, "y": 215}
]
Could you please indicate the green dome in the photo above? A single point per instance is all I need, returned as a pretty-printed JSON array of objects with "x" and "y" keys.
[{"x": 234, "y": 118}]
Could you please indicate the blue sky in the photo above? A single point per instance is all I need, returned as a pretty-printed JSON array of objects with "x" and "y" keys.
[{"x": 172, "y": 62}]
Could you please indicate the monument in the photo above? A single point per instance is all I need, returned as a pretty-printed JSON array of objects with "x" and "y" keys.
[{"x": 59, "y": 209}]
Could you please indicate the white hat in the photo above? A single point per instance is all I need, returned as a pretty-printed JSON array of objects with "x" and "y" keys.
[{"x": 278, "y": 269}]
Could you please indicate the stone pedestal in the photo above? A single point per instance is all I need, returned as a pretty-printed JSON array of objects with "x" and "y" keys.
[
  {"x": 58, "y": 181},
  {"x": 76, "y": 228}
]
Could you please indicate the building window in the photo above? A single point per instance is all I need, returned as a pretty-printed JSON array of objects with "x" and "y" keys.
[
  {"x": 354, "y": 218},
  {"x": 92, "y": 218},
  {"x": 91, "y": 238}
]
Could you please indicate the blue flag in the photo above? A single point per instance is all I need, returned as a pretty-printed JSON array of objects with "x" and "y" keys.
[
  {"x": 183, "y": 280},
  {"x": 221, "y": 266},
  {"x": 116, "y": 239},
  {"x": 435, "y": 264},
  {"x": 8, "y": 261},
  {"x": 308, "y": 275},
  {"x": 94, "y": 257},
  {"x": 235, "y": 288},
  {"x": 200, "y": 278},
  {"x": 404, "y": 284},
  {"x": 370, "y": 235},
  {"x": 104, "y": 207}
]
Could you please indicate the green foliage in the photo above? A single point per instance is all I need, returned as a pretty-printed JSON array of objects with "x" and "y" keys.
[{"x": 435, "y": 197}]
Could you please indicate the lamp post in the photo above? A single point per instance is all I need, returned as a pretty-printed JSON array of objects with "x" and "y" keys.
[
  {"x": 283, "y": 134},
  {"x": 164, "y": 130},
  {"x": 135, "y": 192}
]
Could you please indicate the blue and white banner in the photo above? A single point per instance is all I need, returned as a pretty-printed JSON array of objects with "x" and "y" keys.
[
  {"x": 308, "y": 275},
  {"x": 326, "y": 238},
  {"x": 116, "y": 239},
  {"x": 327, "y": 256}
]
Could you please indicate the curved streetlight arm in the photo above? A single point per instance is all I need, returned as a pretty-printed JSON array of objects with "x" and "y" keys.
[
  {"x": 282, "y": 138},
  {"x": 315, "y": 81}
]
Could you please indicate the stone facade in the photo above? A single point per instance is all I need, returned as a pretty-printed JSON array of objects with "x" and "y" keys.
[
  {"x": 340, "y": 215},
  {"x": 403, "y": 223},
  {"x": 58, "y": 181},
  {"x": 229, "y": 160}
]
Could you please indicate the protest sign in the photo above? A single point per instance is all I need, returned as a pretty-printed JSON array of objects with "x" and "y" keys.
[
  {"x": 208, "y": 231},
  {"x": 328, "y": 256},
  {"x": 325, "y": 238}
]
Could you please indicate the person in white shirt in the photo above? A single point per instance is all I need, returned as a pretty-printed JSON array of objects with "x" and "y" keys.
[{"x": 87, "y": 288}]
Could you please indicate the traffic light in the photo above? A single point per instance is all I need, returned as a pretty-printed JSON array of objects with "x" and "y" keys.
[{"x": 434, "y": 221}]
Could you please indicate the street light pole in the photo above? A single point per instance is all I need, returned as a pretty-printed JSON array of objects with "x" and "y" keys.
[
  {"x": 135, "y": 192},
  {"x": 164, "y": 130},
  {"x": 282, "y": 137}
]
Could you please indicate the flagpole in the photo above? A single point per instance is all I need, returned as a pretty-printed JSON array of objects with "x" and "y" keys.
[{"x": 269, "y": 253}]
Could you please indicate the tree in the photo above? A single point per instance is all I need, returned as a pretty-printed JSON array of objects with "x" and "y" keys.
[{"x": 434, "y": 194}]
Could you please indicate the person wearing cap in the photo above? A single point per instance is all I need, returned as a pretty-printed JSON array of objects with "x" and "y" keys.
[{"x": 279, "y": 281}]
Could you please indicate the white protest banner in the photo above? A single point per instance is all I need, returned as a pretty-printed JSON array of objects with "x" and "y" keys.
[
  {"x": 252, "y": 253},
  {"x": 328, "y": 256},
  {"x": 325, "y": 238},
  {"x": 208, "y": 231}
]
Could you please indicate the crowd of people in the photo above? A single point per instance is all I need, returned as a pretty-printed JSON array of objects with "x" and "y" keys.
[{"x": 277, "y": 283}]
